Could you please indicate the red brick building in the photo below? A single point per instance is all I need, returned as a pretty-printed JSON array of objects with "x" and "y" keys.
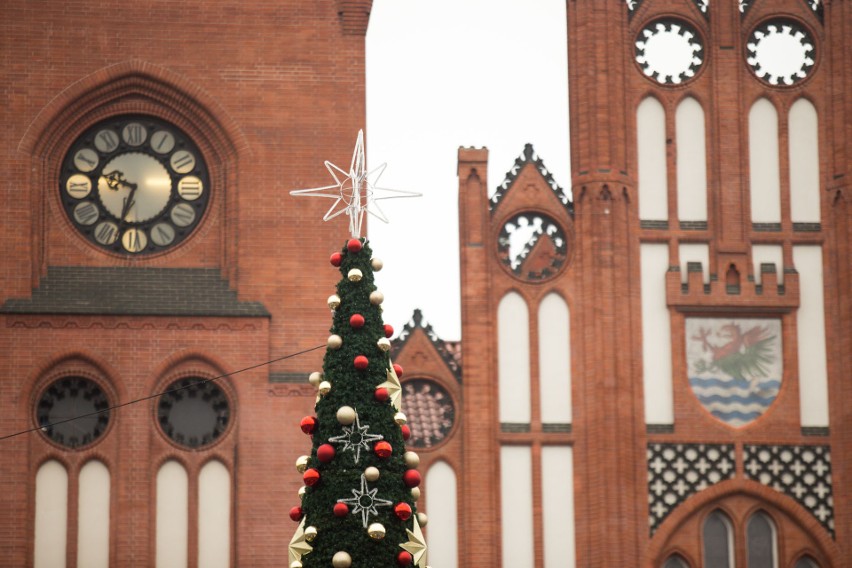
[{"x": 654, "y": 362}]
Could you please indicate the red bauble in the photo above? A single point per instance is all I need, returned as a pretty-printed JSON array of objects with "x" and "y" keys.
[
  {"x": 308, "y": 424},
  {"x": 356, "y": 321},
  {"x": 383, "y": 449},
  {"x": 411, "y": 478},
  {"x": 388, "y": 330},
  {"x": 336, "y": 259},
  {"x": 341, "y": 510},
  {"x": 325, "y": 453},
  {"x": 354, "y": 245},
  {"x": 398, "y": 370},
  {"x": 296, "y": 513},
  {"x": 403, "y": 511},
  {"x": 404, "y": 558},
  {"x": 381, "y": 394},
  {"x": 312, "y": 476},
  {"x": 406, "y": 431},
  {"x": 361, "y": 362}
]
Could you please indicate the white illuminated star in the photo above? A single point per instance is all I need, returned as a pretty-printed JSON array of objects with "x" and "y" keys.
[
  {"x": 354, "y": 193},
  {"x": 355, "y": 437},
  {"x": 365, "y": 502}
]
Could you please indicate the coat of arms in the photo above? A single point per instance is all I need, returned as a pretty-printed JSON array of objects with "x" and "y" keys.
[{"x": 735, "y": 366}]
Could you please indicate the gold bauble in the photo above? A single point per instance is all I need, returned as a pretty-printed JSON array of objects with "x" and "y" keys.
[
  {"x": 334, "y": 341},
  {"x": 372, "y": 473},
  {"x": 376, "y": 263},
  {"x": 310, "y": 533},
  {"x": 415, "y": 493},
  {"x": 412, "y": 460},
  {"x": 400, "y": 418},
  {"x": 376, "y": 531},
  {"x": 355, "y": 275},
  {"x": 333, "y": 301},
  {"x": 341, "y": 559},
  {"x": 315, "y": 378},
  {"x": 324, "y": 388},
  {"x": 376, "y": 297},
  {"x": 422, "y": 519},
  {"x": 346, "y": 415},
  {"x": 302, "y": 490},
  {"x": 302, "y": 464},
  {"x": 295, "y": 564},
  {"x": 384, "y": 344}
]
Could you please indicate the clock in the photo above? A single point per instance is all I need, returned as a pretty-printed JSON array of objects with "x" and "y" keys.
[
  {"x": 73, "y": 412},
  {"x": 194, "y": 412},
  {"x": 533, "y": 246},
  {"x": 134, "y": 185}
]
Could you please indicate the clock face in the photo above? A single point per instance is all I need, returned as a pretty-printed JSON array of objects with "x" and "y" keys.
[
  {"x": 75, "y": 398},
  {"x": 194, "y": 412},
  {"x": 134, "y": 185}
]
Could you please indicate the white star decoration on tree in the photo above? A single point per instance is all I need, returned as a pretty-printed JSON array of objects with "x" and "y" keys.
[
  {"x": 365, "y": 502},
  {"x": 355, "y": 192},
  {"x": 355, "y": 437},
  {"x": 299, "y": 545},
  {"x": 416, "y": 545}
]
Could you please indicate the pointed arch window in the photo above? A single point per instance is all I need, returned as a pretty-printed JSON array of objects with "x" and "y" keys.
[
  {"x": 764, "y": 167},
  {"x": 761, "y": 542},
  {"x": 513, "y": 338},
  {"x": 718, "y": 541},
  {"x": 651, "y": 149}
]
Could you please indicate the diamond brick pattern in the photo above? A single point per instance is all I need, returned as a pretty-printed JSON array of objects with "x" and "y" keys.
[
  {"x": 677, "y": 471},
  {"x": 802, "y": 472}
]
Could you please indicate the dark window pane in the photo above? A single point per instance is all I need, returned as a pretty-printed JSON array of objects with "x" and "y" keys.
[
  {"x": 807, "y": 562},
  {"x": 761, "y": 545},
  {"x": 717, "y": 541},
  {"x": 675, "y": 561}
]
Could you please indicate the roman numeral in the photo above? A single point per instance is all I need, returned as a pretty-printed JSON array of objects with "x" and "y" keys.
[
  {"x": 109, "y": 140},
  {"x": 86, "y": 213},
  {"x": 105, "y": 233},
  {"x": 133, "y": 134}
]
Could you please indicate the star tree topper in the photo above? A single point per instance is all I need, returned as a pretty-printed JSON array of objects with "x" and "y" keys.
[{"x": 355, "y": 192}]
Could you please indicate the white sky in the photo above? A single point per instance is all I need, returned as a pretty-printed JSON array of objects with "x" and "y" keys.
[{"x": 443, "y": 74}]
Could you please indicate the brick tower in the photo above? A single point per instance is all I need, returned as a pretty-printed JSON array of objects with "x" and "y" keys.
[
  {"x": 148, "y": 242},
  {"x": 653, "y": 370}
]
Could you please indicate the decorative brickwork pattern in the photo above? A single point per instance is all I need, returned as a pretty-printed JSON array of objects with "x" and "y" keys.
[
  {"x": 802, "y": 472},
  {"x": 430, "y": 410},
  {"x": 529, "y": 157},
  {"x": 677, "y": 471},
  {"x": 450, "y": 351}
]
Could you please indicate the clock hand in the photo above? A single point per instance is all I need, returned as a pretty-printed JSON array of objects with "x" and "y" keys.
[{"x": 128, "y": 201}]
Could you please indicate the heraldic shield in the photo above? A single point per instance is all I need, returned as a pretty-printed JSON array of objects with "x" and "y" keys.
[{"x": 735, "y": 366}]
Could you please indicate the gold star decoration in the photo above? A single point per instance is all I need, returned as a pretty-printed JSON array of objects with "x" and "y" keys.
[
  {"x": 394, "y": 389},
  {"x": 355, "y": 192},
  {"x": 299, "y": 545},
  {"x": 416, "y": 545}
]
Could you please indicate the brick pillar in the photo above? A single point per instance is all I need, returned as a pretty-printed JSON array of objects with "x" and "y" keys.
[
  {"x": 479, "y": 497},
  {"x": 608, "y": 408}
]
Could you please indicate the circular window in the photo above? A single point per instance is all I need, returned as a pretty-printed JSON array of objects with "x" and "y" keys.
[
  {"x": 194, "y": 412},
  {"x": 430, "y": 411},
  {"x": 532, "y": 246},
  {"x": 669, "y": 51},
  {"x": 780, "y": 52},
  {"x": 73, "y": 412}
]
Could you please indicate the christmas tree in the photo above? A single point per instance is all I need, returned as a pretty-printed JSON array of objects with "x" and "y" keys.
[{"x": 361, "y": 485}]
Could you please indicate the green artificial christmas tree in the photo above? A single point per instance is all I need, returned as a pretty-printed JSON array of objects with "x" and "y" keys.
[{"x": 361, "y": 485}]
